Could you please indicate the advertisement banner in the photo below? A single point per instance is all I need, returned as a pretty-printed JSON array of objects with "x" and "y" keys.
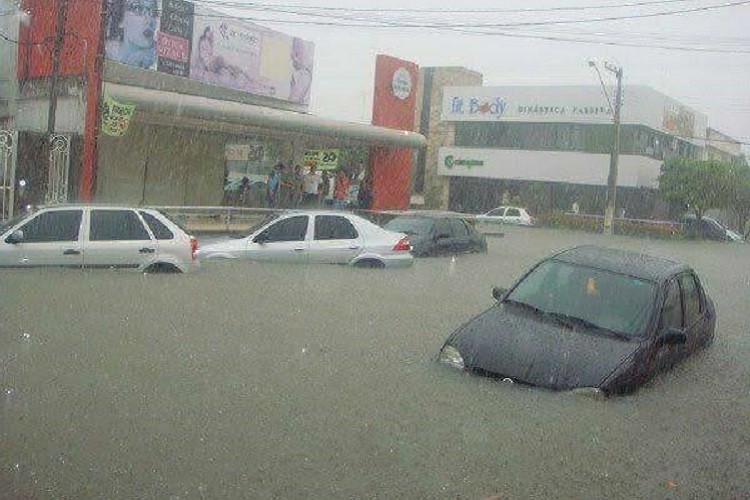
[
  {"x": 115, "y": 117},
  {"x": 244, "y": 165},
  {"x": 248, "y": 57},
  {"x": 171, "y": 37},
  {"x": 175, "y": 37},
  {"x": 570, "y": 104},
  {"x": 547, "y": 166},
  {"x": 679, "y": 120},
  {"x": 131, "y": 32},
  {"x": 322, "y": 159}
]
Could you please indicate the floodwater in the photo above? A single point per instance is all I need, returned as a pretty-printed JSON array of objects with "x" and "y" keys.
[{"x": 267, "y": 381}]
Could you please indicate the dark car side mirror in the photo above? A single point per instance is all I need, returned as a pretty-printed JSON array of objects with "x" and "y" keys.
[
  {"x": 498, "y": 292},
  {"x": 15, "y": 237},
  {"x": 671, "y": 336}
]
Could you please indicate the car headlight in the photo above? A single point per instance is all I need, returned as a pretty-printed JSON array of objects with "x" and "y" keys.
[{"x": 450, "y": 356}]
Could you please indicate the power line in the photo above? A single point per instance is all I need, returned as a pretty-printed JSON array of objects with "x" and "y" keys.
[
  {"x": 447, "y": 11},
  {"x": 462, "y": 29},
  {"x": 401, "y": 24}
]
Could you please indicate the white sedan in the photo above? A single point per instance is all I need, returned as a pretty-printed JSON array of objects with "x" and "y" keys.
[
  {"x": 507, "y": 215},
  {"x": 98, "y": 236},
  {"x": 323, "y": 237}
]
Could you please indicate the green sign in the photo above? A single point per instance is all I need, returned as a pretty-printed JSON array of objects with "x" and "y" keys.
[
  {"x": 322, "y": 159},
  {"x": 451, "y": 161},
  {"x": 116, "y": 116}
]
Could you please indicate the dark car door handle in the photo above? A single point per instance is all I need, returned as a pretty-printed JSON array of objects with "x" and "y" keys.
[
  {"x": 71, "y": 251},
  {"x": 147, "y": 250}
]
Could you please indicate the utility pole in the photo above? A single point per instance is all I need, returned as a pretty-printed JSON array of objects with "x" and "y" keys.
[
  {"x": 609, "y": 211},
  {"x": 62, "y": 17}
]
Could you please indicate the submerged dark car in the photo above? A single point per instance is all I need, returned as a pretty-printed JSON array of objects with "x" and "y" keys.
[
  {"x": 588, "y": 318},
  {"x": 439, "y": 235}
]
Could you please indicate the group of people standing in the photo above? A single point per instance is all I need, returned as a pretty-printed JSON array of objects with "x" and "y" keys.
[{"x": 287, "y": 188}]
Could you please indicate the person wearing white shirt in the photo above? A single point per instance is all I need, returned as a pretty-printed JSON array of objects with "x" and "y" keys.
[{"x": 310, "y": 187}]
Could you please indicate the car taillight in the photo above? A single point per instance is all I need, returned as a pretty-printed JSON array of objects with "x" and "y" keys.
[
  {"x": 403, "y": 245},
  {"x": 194, "y": 247}
]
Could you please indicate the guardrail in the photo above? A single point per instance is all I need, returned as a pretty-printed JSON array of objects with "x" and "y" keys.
[{"x": 230, "y": 219}]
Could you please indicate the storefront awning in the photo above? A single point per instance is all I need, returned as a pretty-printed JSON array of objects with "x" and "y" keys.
[{"x": 174, "y": 104}]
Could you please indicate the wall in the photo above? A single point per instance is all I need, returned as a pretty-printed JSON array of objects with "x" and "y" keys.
[
  {"x": 181, "y": 166},
  {"x": 426, "y": 181},
  {"x": 8, "y": 56}
]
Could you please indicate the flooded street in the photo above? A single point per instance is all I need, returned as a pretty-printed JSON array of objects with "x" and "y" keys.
[{"x": 265, "y": 381}]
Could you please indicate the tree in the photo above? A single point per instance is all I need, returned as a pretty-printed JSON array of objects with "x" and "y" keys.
[
  {"x": 698, "y": 185},
  {"x": 741, "y": 202}
]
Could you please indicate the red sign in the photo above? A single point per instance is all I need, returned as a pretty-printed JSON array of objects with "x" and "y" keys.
[
  {"x": 172, "y": 47},
  {"x": 393, "y": 107}
]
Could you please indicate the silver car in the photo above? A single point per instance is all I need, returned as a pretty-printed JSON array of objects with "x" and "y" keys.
[
  {"x": 96, "y": 236},
  {"x": 324, "y": 237},
  {"x": 507, "y": 215}
]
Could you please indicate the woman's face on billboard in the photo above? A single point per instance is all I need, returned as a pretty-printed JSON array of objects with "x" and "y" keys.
[{"x": 139, "y": 22}]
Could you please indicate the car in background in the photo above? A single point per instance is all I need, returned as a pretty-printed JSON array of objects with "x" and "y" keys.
[
  {"x": 98, "y": 236},
  {"x": 316, "y": 236},
  {"x": 507, "y": 215},
  {"x": 734, "y": 237},
  {"x": 708, "y": 229},
  {"x": 589, "y": 318},
  {"x": 438, "y": 235}
]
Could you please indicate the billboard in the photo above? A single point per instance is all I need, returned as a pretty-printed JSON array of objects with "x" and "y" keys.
[
  {"x": 172, "y": 36},
  {"x": 642, "y": 105},
  {"x": 248, "y": 57},
  {"x": 547, "y": 166},
  {"x": 533, "y": 104},
  {"x": 131, "y": 32}
]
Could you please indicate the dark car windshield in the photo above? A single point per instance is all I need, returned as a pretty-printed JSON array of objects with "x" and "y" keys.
[
  {"x": 602, "y": 299},
  {"x": 411, "y": 225}
]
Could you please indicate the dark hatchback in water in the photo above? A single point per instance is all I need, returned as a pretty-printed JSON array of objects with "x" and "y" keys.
[
  {"x": 432, "y": 235},
  {"x": 588, "y": 318}
]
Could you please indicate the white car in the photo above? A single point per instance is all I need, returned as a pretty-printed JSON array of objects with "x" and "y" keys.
[
  {"x": 507, "y": 215},
  {"x": 324, "y": 237},
  {"x": 97, "y": 236}
]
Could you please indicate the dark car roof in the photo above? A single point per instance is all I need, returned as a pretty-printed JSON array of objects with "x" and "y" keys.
[
  {"x": 638, "y": 265},
  {"x": 429, "y": 216}
]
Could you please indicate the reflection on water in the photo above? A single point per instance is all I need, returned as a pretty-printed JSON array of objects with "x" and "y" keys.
[{"x": 252, "y": 380}]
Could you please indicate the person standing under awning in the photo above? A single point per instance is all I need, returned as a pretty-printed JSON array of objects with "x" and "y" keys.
[{"x": 340, "y": 190}]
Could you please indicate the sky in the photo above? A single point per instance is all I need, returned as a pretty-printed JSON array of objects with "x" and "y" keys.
[{"x": 715, "y": 84}]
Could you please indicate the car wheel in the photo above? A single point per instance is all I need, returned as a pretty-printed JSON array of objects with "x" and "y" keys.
[
  {"x": 370, "y": 263},
  {"x": 162, "y": 268}
]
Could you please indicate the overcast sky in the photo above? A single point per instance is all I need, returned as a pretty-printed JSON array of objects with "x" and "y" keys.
[{"x": 714, "y": 84}]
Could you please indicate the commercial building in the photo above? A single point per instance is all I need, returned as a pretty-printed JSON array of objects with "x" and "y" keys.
[
  {"x": 722, "y": 147},
  {"x": 547, "y": 147},
  {"x": 163, "y": 102}
]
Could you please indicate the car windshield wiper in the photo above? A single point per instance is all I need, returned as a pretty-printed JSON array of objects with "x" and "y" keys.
[
  {"x": 574, "y": 321},
  {"x": 525, "y": 305}
]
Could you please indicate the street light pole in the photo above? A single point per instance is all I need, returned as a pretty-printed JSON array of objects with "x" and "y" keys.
[{"x": 609, "y": 211}]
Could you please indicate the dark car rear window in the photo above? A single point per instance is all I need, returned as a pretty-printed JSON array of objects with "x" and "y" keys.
[{"x": 411, "y": 225}]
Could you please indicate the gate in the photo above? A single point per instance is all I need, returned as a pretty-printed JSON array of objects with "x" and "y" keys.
[
  {"x": 8, "y": 149},
  {"x": 59, "y": 166}
]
